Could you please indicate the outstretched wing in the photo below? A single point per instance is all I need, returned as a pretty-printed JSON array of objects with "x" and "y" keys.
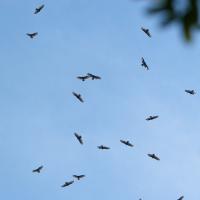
[
  {"x": 41, "y": 7},
  {"x": 150, "y": 155},
  {"x": 40, "y": 168},
  {"x": 75, "y": 176},
  {"x": 80, "y": 140},
  {"x": 122, "y": 141},
  {"x": 148, "y": 33},
  {"x": 81, "y": 176},
  {"x": 129, "y": 144},
  {"x": 80, "y": 98},
  {"x": 71, "y": 182},
  {"x": 74, "y": 93},
  {"x": 156, "y": 157}
]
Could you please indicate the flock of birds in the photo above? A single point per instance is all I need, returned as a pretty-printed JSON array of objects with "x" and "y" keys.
[{"x": 79, "y": 97}]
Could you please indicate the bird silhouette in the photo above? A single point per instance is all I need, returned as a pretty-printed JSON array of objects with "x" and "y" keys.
[
  {"x": 78, "y": 96},
  {"x": 67, "y": 183},
  {"x": 153, "y": 156},
  {"x": 126, "y": 143},
  {"x": 103, "y": 147},
  {"x": 93, "y": 77},
  {"x": 32, "y": 35},
  {"x": 152, "y": 117},
  {"x": 83, "y": 78},
  {"x": 38, "y": 9},
  {"x": 145, "y": 30},
  {"x": 78, "y": 177},
  {"x": 79, "y": 138},
  {"x": 38, "y": 170},
  {"x": 192, "y": 92},
  {"x": 144, "y": 64}
]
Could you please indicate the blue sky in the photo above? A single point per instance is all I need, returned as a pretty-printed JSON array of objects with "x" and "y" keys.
[{"x": 39, "y": 114}]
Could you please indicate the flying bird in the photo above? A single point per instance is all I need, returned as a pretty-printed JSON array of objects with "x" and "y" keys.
[
  {"x": 153, "y": 156},
  {"x": 78, "y": 177},
  {"x": 32, "y": 35},
  {"x": 192, "y": 92},
  {"x": 145, "y": 30},
  {"x": 93, "y": 77},
  {"x": 152, "y": 117},
  {"x": 83, "y": 78},
  {"x": 103, "y": 147},
  {"x": 37, "y": 169},
  {"x": 144, "y": 64},
  {"x": 79, "y": 138},
  {"x": 38, "y": 9},
  {"x": 126, "y": 143},
  {"x": 67, "y": 183},
  {"x": 180, "y": 198},
  {"x": 78, "y": 96}
]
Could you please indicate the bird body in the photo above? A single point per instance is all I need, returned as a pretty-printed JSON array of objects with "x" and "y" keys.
[
  {"x": 78, "y": 96},
  {"x": 126, "y": 143},
  {"x": 79, "y": 138},
  {"x": 153, "y": 156},
  {"x": 37, "y": 170},
  {"x": 152, "y": 117},
  {"x": 38, "y": 9}
]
